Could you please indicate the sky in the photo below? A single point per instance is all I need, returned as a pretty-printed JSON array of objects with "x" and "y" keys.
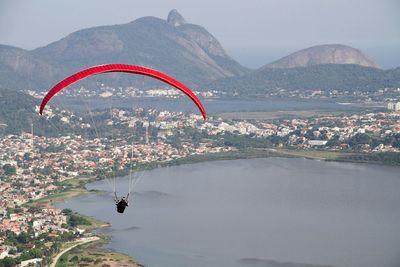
[{"x": 254, "y": 32}]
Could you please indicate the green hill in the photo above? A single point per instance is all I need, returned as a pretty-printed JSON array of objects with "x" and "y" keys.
[
  {"x": 329, "y": 76},
  {"x": 17, "y": 112}
]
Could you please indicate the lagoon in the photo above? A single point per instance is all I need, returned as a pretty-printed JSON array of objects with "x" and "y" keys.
[
  {"x": 256, "y": 212},
  {"x": 213, "y": 106}
]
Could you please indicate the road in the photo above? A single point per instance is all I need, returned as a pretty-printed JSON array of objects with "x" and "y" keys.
[{"x": 80, "y": 242}]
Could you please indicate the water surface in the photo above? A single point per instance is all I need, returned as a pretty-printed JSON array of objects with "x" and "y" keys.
[
  {"x": 211, "y": 105},
  {"x": 273, "y": 212}
]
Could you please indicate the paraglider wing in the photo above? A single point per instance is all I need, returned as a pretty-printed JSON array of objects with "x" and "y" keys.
[{"x": 121, "y": 68}]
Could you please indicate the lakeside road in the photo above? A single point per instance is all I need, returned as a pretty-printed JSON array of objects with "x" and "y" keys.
[{"x": 80, "y": 242}]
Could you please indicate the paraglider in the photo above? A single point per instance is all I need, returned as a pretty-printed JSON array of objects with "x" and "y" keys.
[
  {"x": 123, "y": 202},
  {"x": 121, "y": 68}
]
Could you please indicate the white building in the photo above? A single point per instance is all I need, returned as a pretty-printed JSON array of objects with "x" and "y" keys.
[
  {"x": 394, "y": 106},
  {"x": 317, "y": 142},
  {"x": 32, "y": 262}
]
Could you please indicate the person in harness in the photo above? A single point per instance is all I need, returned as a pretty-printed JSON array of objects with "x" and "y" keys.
[{"x": 121, "y": 203}]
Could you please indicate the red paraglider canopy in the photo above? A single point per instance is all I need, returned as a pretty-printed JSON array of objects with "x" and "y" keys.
[{"x": 121, "y": 68}]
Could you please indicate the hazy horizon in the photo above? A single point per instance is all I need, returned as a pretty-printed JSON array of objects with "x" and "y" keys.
[{"x": 253, "y": 32}]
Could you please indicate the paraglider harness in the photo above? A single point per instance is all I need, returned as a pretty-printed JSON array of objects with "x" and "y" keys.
[{"x": 121, "y": 203}]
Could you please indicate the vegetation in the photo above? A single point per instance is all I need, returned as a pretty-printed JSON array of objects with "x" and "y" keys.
[
  {"x": 389, "y": 158},
  {"x": 360, "y": 140},
  {"x": 9, "y": 169},
  {"x": 90, "y": 255},
  {"x": 58, "y": 196},
  {"x": 330, "y": 76},
  {"x": 374, "y": 158},
  {"x": 74, "y": 219},
  {"x": 29, "y": 247},
  {"x": 18, "y": 114}
]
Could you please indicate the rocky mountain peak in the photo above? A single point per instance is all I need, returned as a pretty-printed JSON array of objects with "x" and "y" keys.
[
  {"x": 323, "y": 54},
  {"x": 181, "y": 49},
  {"x": 175, "y": 19}
]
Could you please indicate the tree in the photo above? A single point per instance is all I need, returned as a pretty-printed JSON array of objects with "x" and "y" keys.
[
  {"x": 9, "y": 169},
  {"x": 67, "y": 212},
  {"x": 27, "y": 156},
  {"x": 20, "y": 247},
  {"x": 87, "y": 259},
  {"x": 46, "y": 170},
  {"x": 12, "y": 251},
  {"x": 9, "y": 262},
  {"x": 74, "y": 259},
  {"x": 393, "y": 140},
  {"x": 18, "y": 210},
  {"x": 23, "y": 238},
  {"x": 75, "y": 220},
  {"x": 36, "y": 253},
  {"x": 360, "y": 139},
  {"x": 25, "y": 256}
]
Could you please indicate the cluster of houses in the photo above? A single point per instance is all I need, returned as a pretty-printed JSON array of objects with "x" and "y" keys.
[
  {"x": 32, "y": 167},
  {"x": 105, "y": 91},
  {"x": 315, "y": 131}
]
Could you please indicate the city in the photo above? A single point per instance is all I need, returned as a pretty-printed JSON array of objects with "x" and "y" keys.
[
  {"x": 35, "y": 167},
  {"x": 356, "y": 96}
]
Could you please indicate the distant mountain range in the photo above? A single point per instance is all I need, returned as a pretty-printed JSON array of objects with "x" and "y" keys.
[
  {"x": 336, "y": 66},
  {"x": 183, "y": 50},
  {"x": 189, "y": 53}
]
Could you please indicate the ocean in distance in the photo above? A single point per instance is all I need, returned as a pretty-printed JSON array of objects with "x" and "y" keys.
[{"x": 272, "y": 212}]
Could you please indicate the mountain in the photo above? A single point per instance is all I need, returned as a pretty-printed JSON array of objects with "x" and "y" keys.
[
  {"x": 189, "y": 53},
  {"x": 186, "y": 51},
  {"x": 337, "y": 67},
  {"x": 17, "y": 112},
  {"x": 20, "y": 68},
  {"x": 323, "y": 54},
  {"x": 329, "y": 76},
  {"x": 175, "y": 19}
]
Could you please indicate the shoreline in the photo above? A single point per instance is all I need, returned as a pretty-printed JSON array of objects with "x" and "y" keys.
[
  {"x": 80, "y": 189},
  {"x": 80, "y": 242},
  {"x": 94, "y": 242},
  {"x": 312, "y": 154}
]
